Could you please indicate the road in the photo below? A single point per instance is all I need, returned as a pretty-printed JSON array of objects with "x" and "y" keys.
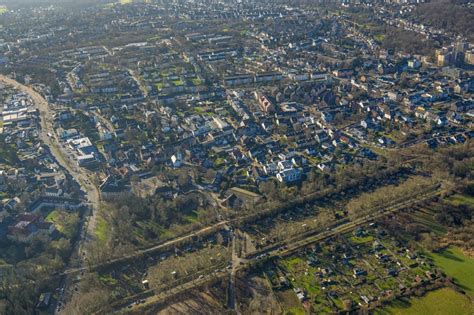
[
  {"x": 53, "y": 142},
  {"x": 49, "y": 137}
]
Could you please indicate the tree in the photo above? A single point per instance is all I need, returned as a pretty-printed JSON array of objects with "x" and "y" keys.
[
  {"x": 430, "y": 242},
  {"x": 61, "y": 247}
]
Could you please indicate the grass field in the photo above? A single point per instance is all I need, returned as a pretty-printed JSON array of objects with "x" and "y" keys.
[
  {"x": 362, "y": 240},
  {"x": 458, "y": 266},
  {"x": 458, "y": 199},
  {"x": 101, "y": 229},
  {"x": 178, "y": 82},
  {"x": 444, "y": 301},
  {"x": 196, "y": 81}
]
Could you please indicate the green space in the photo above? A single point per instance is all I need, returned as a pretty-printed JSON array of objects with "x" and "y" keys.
[
  {"x": 458, "y": 266},
  {"x": 427, "y": 219},
  {"x": 101, "y": 230},
  {"x": 191, "y": 218},
  {"x": 289, "y": 302},
  {"x": 199, "y": 110},
  {"x": 459, "y": 199},
  {"x": 296, "y": 311},
  {"x": 65, "y": 222},
  {"x": 379, "y": 37},
  {"x": 196, "y": 81},
  {"x": 3, "y": 9},
  {"x": 219, "y": 162},
  {"x": 108, "y": 280},
  {"x": 177, "y": 82},
  {"x": 440, "y": 302},
  {"x": 292, "y": 262},
  {"x": 362, "y": 240}
]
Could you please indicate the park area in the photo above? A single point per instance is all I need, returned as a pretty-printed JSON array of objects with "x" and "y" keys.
[
  {"x": 457, "y": 266},
  {"x": 440, "y": 302}
]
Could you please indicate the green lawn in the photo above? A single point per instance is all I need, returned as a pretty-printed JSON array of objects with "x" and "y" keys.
[
  {"x": 458, "y": 266},
  {"x": 296, "y": 311},
  {"x": 379, "y": 37},
  {"x": 444, "y": 301},
  {"x": 52, "y": 216},
  {"x": 177, "y": 82},
  {"x": 428, "y": 220},
  {"x": 191, "y": 218},
  {"x": 196, "y": 81},
  {"x": 199, "y": 109},
  {"x": 101, "y": 230},
  {"x": 461, "y": 199},
  {"x": 362, "y": 240},
  {"x": 292, "y": 262}
]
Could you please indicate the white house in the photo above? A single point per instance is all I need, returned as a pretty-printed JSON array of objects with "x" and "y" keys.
[{"x": 177, "y": 160}]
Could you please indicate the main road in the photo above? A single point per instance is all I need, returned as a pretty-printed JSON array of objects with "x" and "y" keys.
[{"x": 49, "y": 137}]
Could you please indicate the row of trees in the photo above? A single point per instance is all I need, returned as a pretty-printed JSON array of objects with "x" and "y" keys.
[{"x": 386, "y": 195}]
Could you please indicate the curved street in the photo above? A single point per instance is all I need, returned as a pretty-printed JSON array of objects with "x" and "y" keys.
[{"x": 49, "y": 137}]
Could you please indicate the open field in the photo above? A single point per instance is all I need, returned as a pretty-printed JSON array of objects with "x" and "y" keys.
[
  {"x": 458, "y": 266},
  {"x": 101, "y": 230},
  {"x": 440, "y": 302},
  {"x": 462, "y": 199}
]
